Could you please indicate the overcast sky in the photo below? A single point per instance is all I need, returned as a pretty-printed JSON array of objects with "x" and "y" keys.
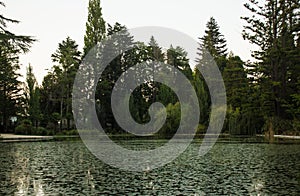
[{"x": 51, "y": 21}]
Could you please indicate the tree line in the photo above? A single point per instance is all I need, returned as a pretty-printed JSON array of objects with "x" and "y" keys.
[{"x": 262, "y": 96}]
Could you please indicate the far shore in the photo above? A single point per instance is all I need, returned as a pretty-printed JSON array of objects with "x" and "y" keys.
[{"x": 5, "y": 137}]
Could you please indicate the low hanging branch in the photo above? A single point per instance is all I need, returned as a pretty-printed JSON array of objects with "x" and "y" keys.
[{"x": 18, "y": 42}]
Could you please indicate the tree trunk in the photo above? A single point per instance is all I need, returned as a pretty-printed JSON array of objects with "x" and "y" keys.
[{"x": 269, "y": 134}]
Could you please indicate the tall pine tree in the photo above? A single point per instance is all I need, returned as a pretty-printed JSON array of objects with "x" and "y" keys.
[
  {"x": 274, "y": 28},
  {"x": 68, "y": 58},
  {"x": 212, "y": 46},
  {"x": 11, "y": 45},
  {"x": 214, "y": 43}
]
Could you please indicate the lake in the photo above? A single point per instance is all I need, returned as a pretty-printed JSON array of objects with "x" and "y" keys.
[{"x": 68, "y": 168}]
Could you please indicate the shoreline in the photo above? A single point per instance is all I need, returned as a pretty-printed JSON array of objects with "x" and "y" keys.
[
  {"x": 283, "y": 136},
  {"x": 35, "y": 138},
  {"x": 4, "y": 137}
]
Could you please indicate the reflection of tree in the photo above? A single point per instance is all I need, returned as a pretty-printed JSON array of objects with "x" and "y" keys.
[{"x": 21, "y": 175}]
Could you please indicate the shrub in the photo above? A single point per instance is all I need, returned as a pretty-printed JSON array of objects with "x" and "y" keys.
[
  {"x": 40, "y": 131},
  {"x": 73, "y": 132},
  {"x": 24, "y": 128},
  {"x": 26, "y": 122},
  {"x": 50, "y": 132},
  {"x": 201, "y": 129},
  {"x": 69, "y": 132}
]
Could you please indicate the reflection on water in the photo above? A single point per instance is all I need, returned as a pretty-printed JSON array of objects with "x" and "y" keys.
[
  {"x": 67, "y": 168},
  {"x": 20, "y": 175}
]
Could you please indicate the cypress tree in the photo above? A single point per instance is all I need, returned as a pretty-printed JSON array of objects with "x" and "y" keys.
[{"x": 95, "y": 26}]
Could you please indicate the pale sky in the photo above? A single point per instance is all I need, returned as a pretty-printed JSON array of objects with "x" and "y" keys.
[{"x": 52, "y": 21}]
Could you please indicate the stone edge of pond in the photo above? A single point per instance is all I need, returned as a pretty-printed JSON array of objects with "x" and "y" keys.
[
  {"x": 7, "y": 138},
  {"x": 223, "y": 138}
]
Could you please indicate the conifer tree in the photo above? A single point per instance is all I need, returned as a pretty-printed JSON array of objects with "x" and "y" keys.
[
  {"x": 11, "y": 45},
  {"x": 10, "y": 97},
  {"x": 68, "y": 59},
  {"x": 274, "y": 28},
  {"x": 19, "y": 43},
  {"x": 212, "y": 47},
  {"x": 32, "y": 97},
  {"x": 214, "y": 43}
]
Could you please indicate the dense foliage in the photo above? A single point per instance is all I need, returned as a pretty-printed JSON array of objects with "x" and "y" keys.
[
  {"x": 262, "y": 96},
  {"x": 11, "y": 45}
]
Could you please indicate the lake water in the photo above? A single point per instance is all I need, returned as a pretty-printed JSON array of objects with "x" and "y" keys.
[{"x": 68, "y": 168}]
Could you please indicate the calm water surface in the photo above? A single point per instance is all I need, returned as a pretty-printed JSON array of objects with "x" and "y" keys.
[{"x": 68, "y": 168}]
